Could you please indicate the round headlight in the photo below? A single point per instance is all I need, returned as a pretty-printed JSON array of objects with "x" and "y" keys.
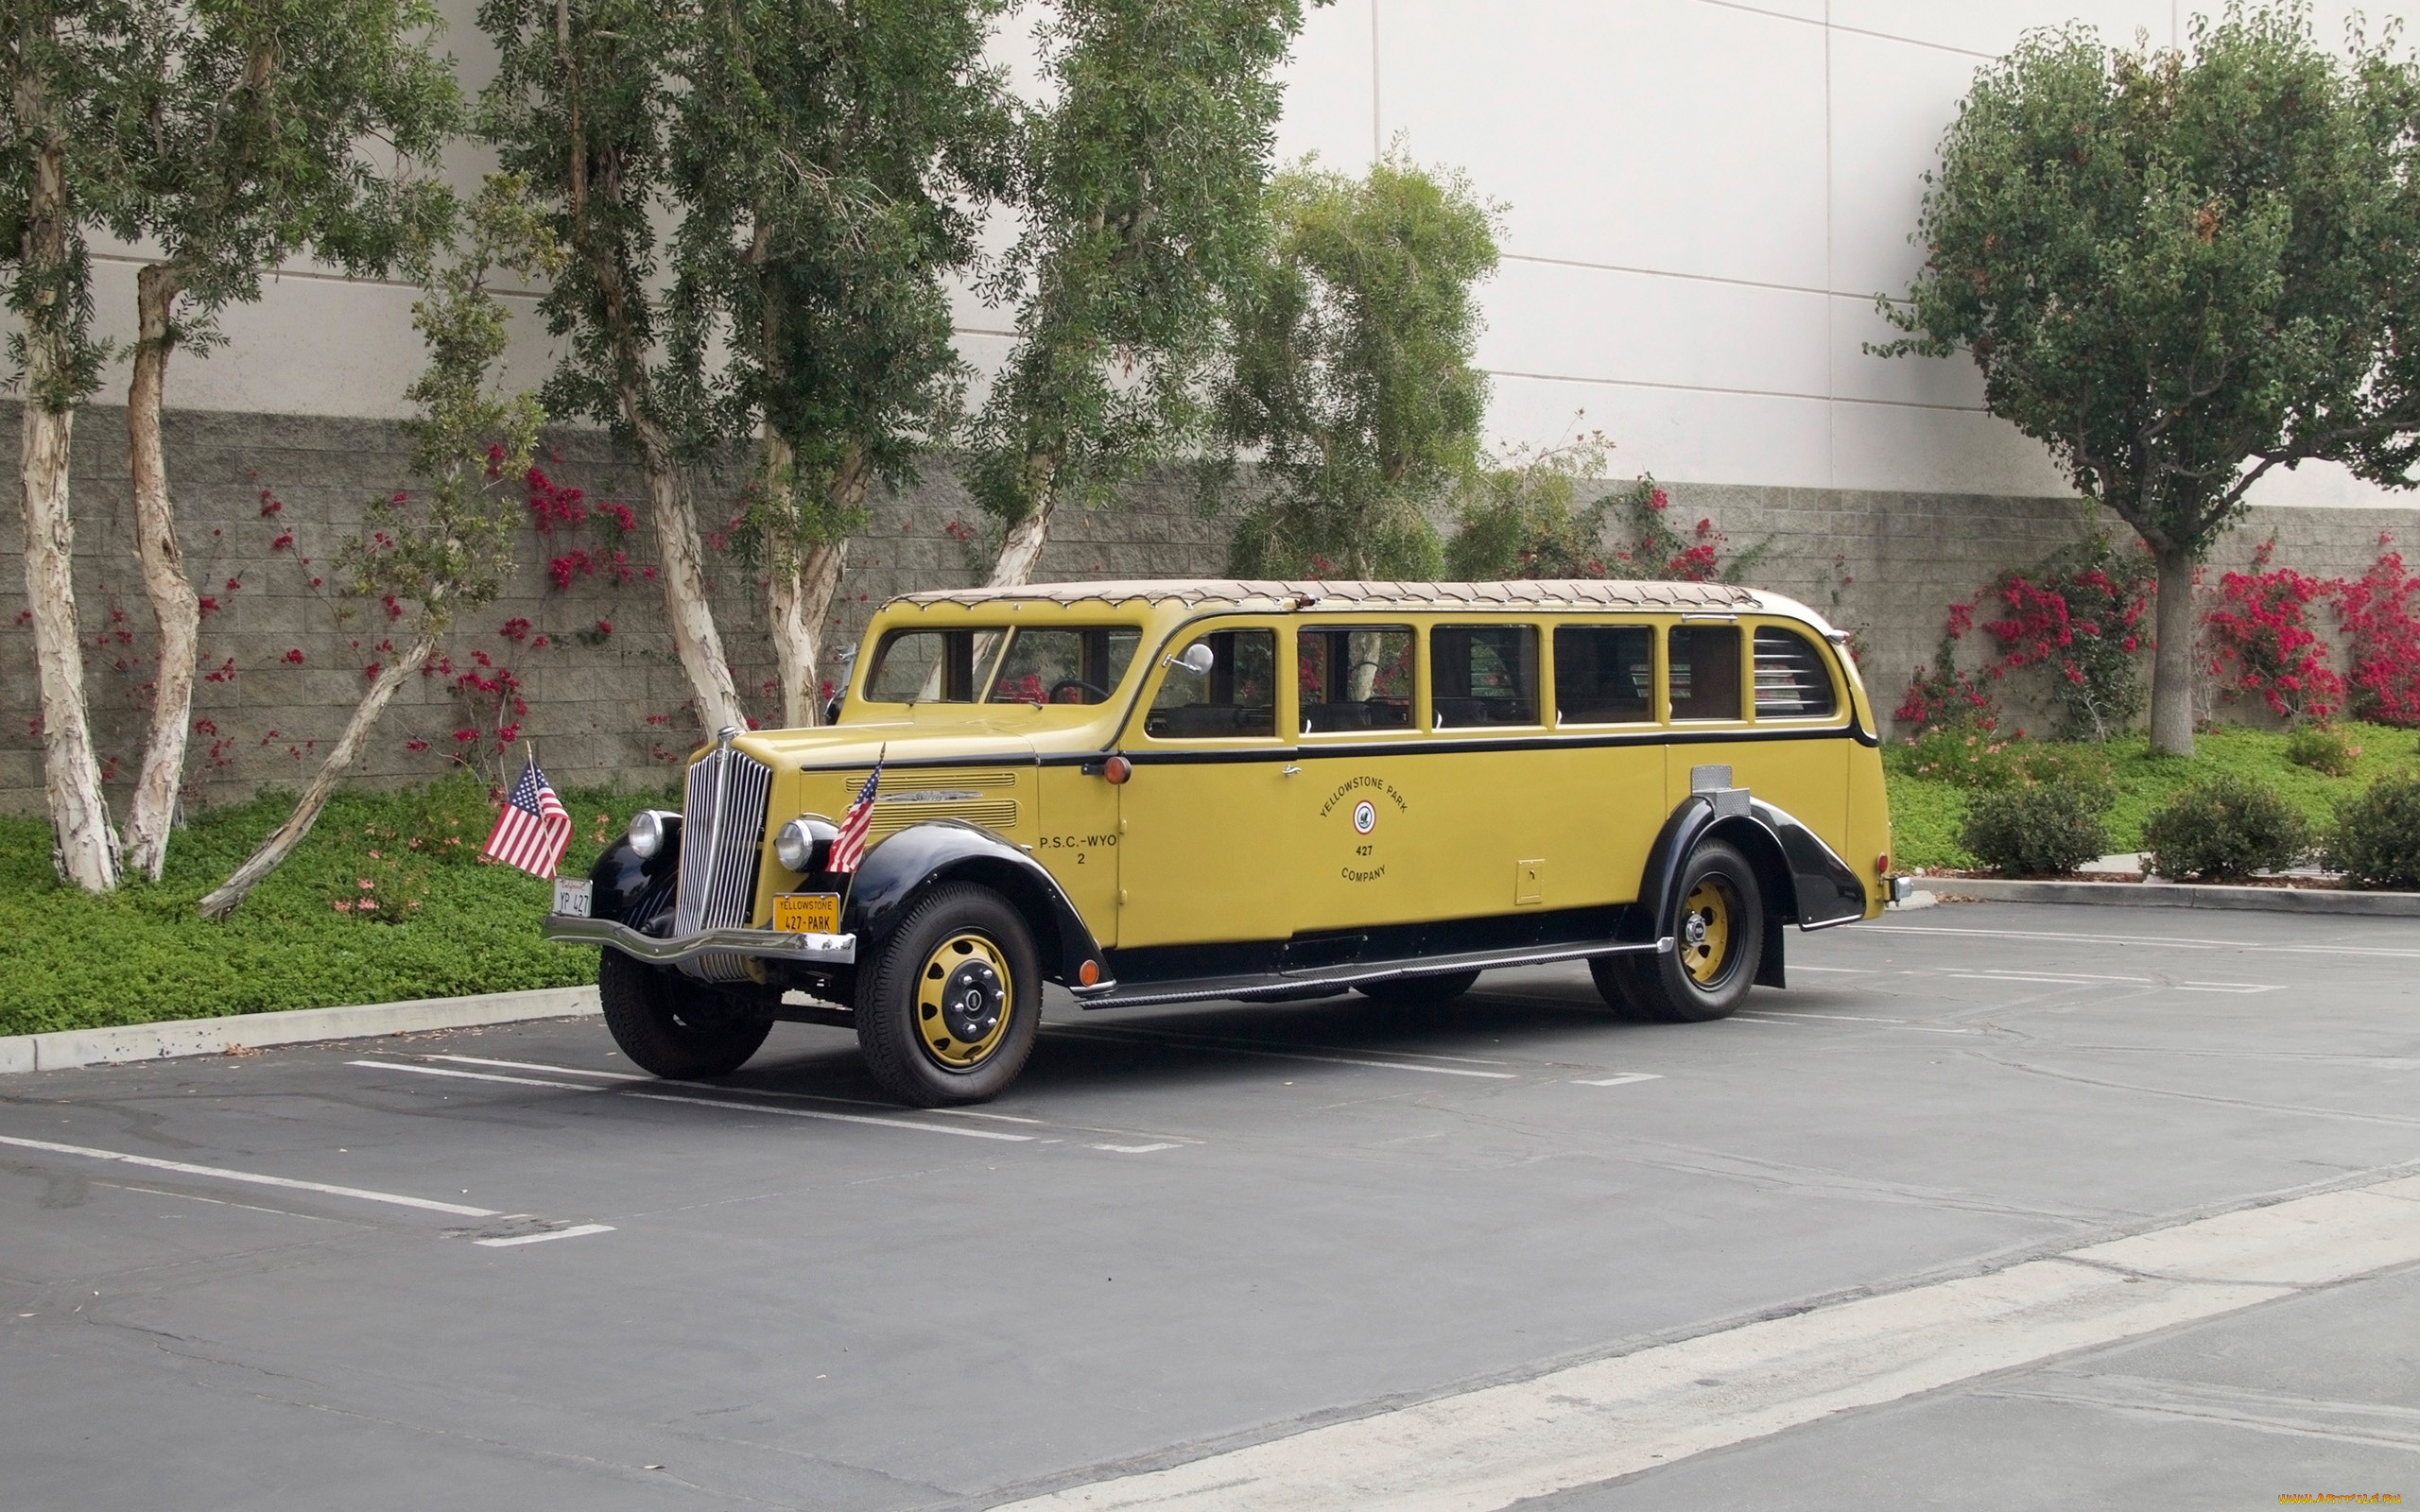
[
  {"x": 797, "y": 844},
  {"x": 651, "y": 830}
]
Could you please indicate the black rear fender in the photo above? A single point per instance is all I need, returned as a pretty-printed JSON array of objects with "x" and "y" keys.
[{"x": 1804, "y": 881}]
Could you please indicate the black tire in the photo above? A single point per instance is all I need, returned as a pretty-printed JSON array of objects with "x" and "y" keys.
[
  {"x": 1419, "y": 991},
  {"x": 1717, "y": 925},
  {"x": 675, "y": 1027},
  {"x": 936, "y": 1022}
]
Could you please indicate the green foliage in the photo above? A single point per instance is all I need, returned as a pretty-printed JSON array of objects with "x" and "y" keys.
[
  {"x": 1353, "y": 373},
  {"x": 2180, "y": 272},
  {"x": 2376, "y": 841},
  {"x": 1140, "y": 191},
  {"x": 829, "y": 160},
  {"x": 70, "y": 960},
  {"x": 582, "y": 117},
  {"x": 452, "y": 548},
  {"x": 1521, "y": 517},
  {"x": 2036, "y": 829},
  {"x": 68, "y": 69},
  {"x": 1929, "y": 808},
  {"x": 2322, "y": 749},
  {"x": 1970, "y": 756},
  {"x": 2223, "y": 828},
  {"x": 261, "y": 131}
]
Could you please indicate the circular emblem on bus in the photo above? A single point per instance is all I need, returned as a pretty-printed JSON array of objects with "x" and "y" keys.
[{"x": 1365, "y": 817}]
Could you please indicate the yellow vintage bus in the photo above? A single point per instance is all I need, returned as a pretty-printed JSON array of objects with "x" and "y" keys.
[{"x": 1164, "y": 792}]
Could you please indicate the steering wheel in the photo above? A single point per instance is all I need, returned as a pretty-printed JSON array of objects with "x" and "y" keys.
[{"x": 1080, "y": 684}]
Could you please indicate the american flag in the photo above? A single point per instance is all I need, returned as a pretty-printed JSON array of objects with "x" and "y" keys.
[
  {"x": 533, "y": 828},
  {"x": 849, "y": 845}
]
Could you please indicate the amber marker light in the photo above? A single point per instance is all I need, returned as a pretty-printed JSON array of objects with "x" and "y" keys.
[
  {"x": 1117, "y": 769},
  {"x": 1088, "y": 974}
]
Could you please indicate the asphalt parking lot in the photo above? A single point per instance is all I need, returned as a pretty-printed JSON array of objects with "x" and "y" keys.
[{"x": 493, "y": 1267}]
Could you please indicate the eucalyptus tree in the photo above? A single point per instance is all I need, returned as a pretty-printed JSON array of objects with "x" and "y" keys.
[
  {"x": 1352, "y": 370},
  {"x": 2181, "y": 270},
  {"x": 67, "y": 64},
  {"x": 1140, "y": 190},
  {"x": 581, "y": 105},
  {"x": 269, "y": 128},
  {"x": 829, "y": 160},
  {"x": 447, "y": 548}
]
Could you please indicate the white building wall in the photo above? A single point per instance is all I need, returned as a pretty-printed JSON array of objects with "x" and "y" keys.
[{"x": 1704, "y": 198}]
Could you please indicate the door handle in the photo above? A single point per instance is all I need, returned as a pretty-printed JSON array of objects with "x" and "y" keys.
[{"x": 1291, "y": 771}]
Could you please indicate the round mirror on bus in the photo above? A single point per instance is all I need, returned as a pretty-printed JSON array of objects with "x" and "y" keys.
[{"x": 1197, "y": 659}]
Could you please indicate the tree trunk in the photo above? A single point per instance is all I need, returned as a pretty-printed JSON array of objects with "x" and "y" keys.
[
  {"x": 341, "y": 757},
  {"x": 1022, "y": 547},
  {"x": 694, "y": 636},
  {"x": 87, "y": 852},
  {"x": 2172, "y": 661},
  {"x": 173, "y": 602},
  {"x": 79, "y": 816},
  {"x": 800, "y": 590}
]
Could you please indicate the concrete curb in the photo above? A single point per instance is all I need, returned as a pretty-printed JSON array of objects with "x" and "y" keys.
[
  {"x": 247, "y": 1031},
  {"x": 2183, "y": 895}
]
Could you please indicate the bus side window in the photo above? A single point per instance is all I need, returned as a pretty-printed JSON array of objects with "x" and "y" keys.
[
  {"x": 1355, "y": 678},
  {"x": 1792, "y": 681},
  {"x": 1236, "y": 696},
  {"x": 1483, "y": 675},
  {"x": 1705, "y": 671},
  {"x": 1604, "y": 674}
]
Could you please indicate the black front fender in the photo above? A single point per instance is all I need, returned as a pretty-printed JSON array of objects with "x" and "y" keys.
[
  {"x": 631, "y": 891},
  {"x": 899, "y": 869}
]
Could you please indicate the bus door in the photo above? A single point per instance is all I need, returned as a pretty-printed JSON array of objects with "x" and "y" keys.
[{"x": 1201, "y": 850}]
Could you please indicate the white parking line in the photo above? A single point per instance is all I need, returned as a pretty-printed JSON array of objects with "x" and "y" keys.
[
  {"x": 470, "y": 1075},
  {"x": 1622, "y": 1080},
  {"x": 1224, "y": 1048},
  {"x": 2172, "y": 941},
  {"x": 729, "y": 1106},
  {"x": 575, "y": 1231},
  {"x": 1477, "y": 1451},
  {"x": 256, "y": 1178},
  {"x": 1133, "y": 1149},
  {"x": 533, "y": 1065}
]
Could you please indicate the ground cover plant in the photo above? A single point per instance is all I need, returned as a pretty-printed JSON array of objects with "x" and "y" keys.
[
  {"x": 386, "y": 899},
  {"x": 1933, "y": 783}
]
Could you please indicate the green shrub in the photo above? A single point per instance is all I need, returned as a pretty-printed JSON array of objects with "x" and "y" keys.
[
  {"x": 2224, "y": 827},
  {"x": 2322, "y": 749},
  {"x": 2081, "y": 768},
  {"x": 2377, "y": 843},
  {"x": 2036, "y": 828}
]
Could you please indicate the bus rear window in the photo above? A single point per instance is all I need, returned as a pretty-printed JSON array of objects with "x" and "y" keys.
[
  {"x": 1704, "y": 662},
  {"x": 1792, "y": 681}
]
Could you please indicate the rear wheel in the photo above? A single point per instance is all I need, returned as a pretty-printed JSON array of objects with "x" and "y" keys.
[
  {"x": 949, "y": 1011},
  {"x": 1718, "y": 937},
  {"x": 673, "y": 1026},
  {"x": 1419, "y": 991}
]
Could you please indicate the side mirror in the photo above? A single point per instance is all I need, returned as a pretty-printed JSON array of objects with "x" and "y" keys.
[{"x": 1197, "y": 659}]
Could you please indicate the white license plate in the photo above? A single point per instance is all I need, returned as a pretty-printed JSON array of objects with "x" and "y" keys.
[{"x": 572, "y": 896}]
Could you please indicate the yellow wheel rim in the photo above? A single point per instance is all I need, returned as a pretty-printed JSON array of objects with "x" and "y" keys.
[
  {"x": 964, "y": 997},
  {"x": 1705, "y": 930}
]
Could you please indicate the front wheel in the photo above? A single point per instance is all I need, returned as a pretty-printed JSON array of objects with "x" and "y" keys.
[
  {"x": 1718, "y": 940},
  {"x": 673, "y": 1026},
  {"x": 948, "y": 1012}
]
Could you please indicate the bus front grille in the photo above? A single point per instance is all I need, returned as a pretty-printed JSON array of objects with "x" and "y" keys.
[{"x": 723, "y": 837}]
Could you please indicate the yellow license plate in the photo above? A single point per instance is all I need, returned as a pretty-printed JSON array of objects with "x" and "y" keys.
[{"x": 807, "y": 913}]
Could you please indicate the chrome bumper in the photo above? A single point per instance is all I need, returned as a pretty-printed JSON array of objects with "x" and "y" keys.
[
  {"x": 1902, "y": 889},
  {"x": 773, "y": 945}
]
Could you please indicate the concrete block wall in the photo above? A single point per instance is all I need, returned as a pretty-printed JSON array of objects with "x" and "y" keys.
[{"x": 610, "y": 708}]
